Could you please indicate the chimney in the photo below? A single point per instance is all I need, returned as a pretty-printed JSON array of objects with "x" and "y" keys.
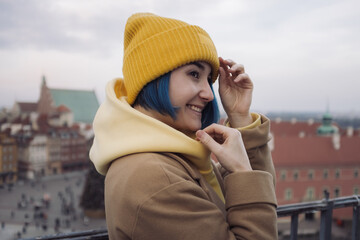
[
  {"x": 349, "y": 131},
  {"x": 311, "y": 121},
  {"x": 336, "y": 141},
  {"x": 302, "y": 134},
  {"x": 293, "y": 120}
]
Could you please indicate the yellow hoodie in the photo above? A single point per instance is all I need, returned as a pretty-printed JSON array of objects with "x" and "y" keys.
[{"x": 121, "y": 130}]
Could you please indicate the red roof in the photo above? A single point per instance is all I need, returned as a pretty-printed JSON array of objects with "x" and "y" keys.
[
  {"x": 294, "y": 129},
  {"x": 62, "y": 108},
  {"x": 27, "y": 106},
  {"x": 293, "y": 151}
]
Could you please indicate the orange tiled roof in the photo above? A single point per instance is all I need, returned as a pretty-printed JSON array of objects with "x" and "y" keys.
[{"x": 63, "y": 108}]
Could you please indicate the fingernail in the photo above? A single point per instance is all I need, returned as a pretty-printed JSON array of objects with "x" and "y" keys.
[{"x": 199, "y": 134}]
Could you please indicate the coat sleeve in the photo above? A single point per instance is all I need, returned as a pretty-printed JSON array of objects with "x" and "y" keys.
[{"x": 256, "y": 144}]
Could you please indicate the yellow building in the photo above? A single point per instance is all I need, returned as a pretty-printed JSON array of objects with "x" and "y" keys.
[{"x": 8, "y": 159}]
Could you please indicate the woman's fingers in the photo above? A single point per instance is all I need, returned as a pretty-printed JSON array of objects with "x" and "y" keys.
[
  {"x": 244, "y": 81},
  {"x": 214, "y": 136},
  {"x": 227, "y": 145},
  {"x": 208, "y": 141},
  {"x": 237, "y": 68}
]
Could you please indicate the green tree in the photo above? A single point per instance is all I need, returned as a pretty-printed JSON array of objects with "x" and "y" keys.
[{"x": 93, "y": 193}]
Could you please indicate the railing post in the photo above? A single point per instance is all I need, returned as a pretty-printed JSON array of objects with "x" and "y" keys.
[
  {"x": 294, "y": 226},
  {"x": 355, "y": 232},
  {"x": 326, "y": 219}
]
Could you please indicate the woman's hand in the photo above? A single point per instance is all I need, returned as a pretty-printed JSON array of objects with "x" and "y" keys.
[
  {"x": 235, "y": 89},
  {"x": 227, "y": 145}
]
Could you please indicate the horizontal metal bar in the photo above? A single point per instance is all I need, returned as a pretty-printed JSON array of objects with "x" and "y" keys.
[
  {"x": 75, "y": 235},
  {"x": 289, "y": 209}
]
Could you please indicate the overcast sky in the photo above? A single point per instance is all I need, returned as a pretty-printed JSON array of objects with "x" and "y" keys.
[{"x": 301, "y": 55}]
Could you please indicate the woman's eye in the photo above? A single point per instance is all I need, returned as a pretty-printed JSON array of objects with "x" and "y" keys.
[{"x": 195, "y": 74}]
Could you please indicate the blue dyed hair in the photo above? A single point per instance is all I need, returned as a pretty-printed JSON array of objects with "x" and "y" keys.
[{"x": 155, "y": 96}]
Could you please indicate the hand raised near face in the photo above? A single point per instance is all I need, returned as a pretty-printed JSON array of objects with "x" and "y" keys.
[{"x": 235, "y": 89}]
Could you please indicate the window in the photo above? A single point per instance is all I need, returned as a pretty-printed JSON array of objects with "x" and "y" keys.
[
  {"x": 311, "y": 174},
  {"x": 337, "y": 192},
  {"x": 288, "y": 194},
  {"x": 310, "y": 193},
  {"x": 283, "y": 175},
  {"x": 326, "y": 173},
  {"x": 356, "y": 190},
  {"x": 356, "y": 173},
  {"x": 337, "y": 173},
  {"x": 296, "y": 175}
]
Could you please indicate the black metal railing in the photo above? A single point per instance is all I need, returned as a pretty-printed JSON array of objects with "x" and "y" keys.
[
  {"x": 100, "y": 234},
  {"x": 325, "y": 206}
]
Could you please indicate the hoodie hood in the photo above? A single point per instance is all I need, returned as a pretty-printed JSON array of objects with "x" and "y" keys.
[{"x": 122, "y": 130}]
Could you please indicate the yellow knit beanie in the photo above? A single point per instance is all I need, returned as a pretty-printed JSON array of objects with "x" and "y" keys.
[{"x": 155, "y": 45}]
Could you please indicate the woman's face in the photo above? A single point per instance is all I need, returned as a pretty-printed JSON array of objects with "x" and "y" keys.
[{"x": 189, "y": 92}]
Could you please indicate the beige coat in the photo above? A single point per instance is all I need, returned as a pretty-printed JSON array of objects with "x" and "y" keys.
[{"x": 163, "y": 196}]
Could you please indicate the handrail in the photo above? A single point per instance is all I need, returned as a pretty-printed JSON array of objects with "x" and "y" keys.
[
  {"x": 341, "y": 202},
  {"x": 325, "y": 206},
  {"x": 98, "y": 234}
]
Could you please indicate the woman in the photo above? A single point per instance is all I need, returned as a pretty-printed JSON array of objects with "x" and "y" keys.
[{"x": 154, "y": 135}]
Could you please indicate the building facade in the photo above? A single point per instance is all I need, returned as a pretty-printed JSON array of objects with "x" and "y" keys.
[
  {"x": 309, "y": 162},
  {"x": 8, "y": 159}
]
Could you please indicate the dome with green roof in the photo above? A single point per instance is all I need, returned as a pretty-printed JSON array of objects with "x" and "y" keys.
[{"x": 327, "y": 128}]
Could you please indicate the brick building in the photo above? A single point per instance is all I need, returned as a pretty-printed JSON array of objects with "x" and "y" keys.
[
  {"x": 82, "y": 103},
  {"x": 313, "y": 157}
]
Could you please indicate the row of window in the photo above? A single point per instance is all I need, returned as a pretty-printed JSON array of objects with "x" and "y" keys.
[
  {"x": 311, "y": 174},
  {"x": 6, "y": 167},
  {"x": 7, "y": 157},
  {"x": 8, "y": 149},
  {"x": 311, "y": 195}
]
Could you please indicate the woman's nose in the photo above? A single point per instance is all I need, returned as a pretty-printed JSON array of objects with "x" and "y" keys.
[{"x": 206, "y": 93}]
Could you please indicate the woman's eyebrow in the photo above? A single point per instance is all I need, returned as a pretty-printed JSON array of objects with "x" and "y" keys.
[{"x": 199, "y": 65}]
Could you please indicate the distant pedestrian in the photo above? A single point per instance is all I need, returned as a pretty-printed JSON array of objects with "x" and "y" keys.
[
  {"x": 44, "y": 227},
  {"x": 57, "y": 224}
]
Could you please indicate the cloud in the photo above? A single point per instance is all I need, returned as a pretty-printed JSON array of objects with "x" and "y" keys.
[
  {"x": 61, "y": 25},
  {"x": 298, "y": 53}
]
